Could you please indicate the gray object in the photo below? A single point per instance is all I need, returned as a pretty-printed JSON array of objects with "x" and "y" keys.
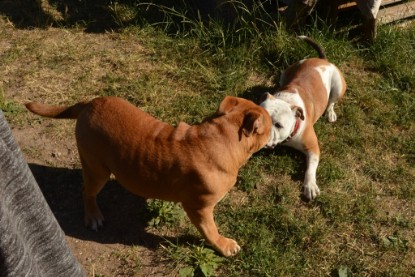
[{"x": 31, "y": 240}]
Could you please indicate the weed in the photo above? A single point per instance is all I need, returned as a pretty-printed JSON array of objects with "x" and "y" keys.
[
  {"x": 395, "y": 242},
  {"x": 342, "y": 271},
  {"x": 10, "y": 109},
  {"x": 193, "y": 260},
  {"x": 164, "y": 213}
]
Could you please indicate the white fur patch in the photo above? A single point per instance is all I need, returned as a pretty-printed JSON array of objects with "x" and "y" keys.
[
  {"x": 289, "y": 97},
  {"x": 326, "y": 72},
  {"x": 310, "y": 187},
  {"x": 283, "y": 120}
]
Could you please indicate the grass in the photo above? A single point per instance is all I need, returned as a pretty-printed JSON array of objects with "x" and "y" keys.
[
  {"x": 193, "y": 260},
  {"x": 179, "y": 69}
]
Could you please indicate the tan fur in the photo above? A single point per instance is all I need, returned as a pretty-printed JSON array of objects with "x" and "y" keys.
[
  {"x": 194, "y": 165},
  {"x": 308, "y": 89},
  {"x": 308, "y": 83}
]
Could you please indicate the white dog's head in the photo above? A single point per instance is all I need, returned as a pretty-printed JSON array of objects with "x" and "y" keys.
[{"x": 284, "y": 117}]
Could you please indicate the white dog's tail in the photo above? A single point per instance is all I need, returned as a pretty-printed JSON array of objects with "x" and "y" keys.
[{"x": 315, "y": 45}]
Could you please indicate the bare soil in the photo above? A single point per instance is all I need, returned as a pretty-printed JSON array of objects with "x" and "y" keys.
[
  {"x": 123, "y": 247},
  {"x": 56, "y": 65}
]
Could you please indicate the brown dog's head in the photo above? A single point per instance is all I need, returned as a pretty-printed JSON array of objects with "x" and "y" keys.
[{"x": 254, "y": 121}]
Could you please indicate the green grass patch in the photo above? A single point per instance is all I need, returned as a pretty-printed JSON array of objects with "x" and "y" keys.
[
  {"x": 180, "y": 67},
  {"x": 193, "y": 260}
]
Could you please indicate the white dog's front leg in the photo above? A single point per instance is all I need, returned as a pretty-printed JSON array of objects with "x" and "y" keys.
[{"x": 310, "y": 188}]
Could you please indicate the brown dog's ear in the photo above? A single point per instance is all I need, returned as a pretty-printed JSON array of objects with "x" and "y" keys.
[
  {"x": 299, "y": 112},
  {"x": 227, "y": 105},
  {"x": 252, "y": 123}
]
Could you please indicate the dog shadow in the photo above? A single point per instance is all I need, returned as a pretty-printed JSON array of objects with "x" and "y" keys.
[
  {"x": 298, "y": 165},
  {"x": 298, "y": 158},
  {"x": 126, "y": 215},
  {"x": 256, "y": 92}
]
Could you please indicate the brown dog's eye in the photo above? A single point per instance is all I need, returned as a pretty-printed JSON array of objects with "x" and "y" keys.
[{"x": 278, "y": 125}]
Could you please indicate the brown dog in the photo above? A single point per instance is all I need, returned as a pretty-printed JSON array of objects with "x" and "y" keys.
[{"x": 194, "y": 165}]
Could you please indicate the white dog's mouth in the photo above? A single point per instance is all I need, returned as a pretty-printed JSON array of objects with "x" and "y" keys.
[
  {"x": 269, "y": 146},
  {"x": 273, "y": 139}
]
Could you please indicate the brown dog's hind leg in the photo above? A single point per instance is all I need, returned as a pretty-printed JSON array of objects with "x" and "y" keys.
[
  {"x": 95, "y": 178},
  {"x": 203, "y": 219}
]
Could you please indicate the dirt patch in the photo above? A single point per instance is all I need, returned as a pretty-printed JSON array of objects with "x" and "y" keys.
[
  {"x": 124, "y": 246},
  {"x": 55, "y": 66}
]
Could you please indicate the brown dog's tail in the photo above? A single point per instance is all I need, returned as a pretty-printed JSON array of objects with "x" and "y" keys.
[
  {"x": 315, "y": 45},
  {"x": 69, "y": 112}
]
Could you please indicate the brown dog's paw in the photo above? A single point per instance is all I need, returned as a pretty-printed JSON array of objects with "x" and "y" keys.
[
  {"x": 227, "y": 247},
  {"x": 94, "y": 222},
  {"x": 93, "y": 217}
]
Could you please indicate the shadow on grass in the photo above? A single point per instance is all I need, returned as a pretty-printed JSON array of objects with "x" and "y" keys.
[
  {"x": 255, "y": 93},
  {"x": 98, "y": 16},
  {"x": 95, "y": 15},
  {"x": 126, "y": 215},
  {"x": 104, "y": 15}
]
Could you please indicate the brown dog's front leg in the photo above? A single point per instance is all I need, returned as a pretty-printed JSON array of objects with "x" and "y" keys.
[
  {"x": 202, "y": 218},
  {"x": 93, "y": 217}
]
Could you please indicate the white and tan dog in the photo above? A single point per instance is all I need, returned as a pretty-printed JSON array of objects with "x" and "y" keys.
[
  {"x": 308, "y": 88},
  {"x": 194, "y": 165}
]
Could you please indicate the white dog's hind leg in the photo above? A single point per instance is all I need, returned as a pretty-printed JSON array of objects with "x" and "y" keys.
[
  {"x": 331, "y": 114},
  {"x": 338, "y": 87}
]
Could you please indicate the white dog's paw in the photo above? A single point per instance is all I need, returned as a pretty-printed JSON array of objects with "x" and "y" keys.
[
  {"x": 311, "y": 191},
  {"x": 331, "y": 116}
]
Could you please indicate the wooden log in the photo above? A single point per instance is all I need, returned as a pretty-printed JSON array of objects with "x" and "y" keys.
[{"x": 396, "y": 12}]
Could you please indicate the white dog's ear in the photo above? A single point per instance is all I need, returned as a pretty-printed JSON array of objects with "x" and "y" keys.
[
  {"x": 227, "y": 105},
  {"x": 253, "y": 123},
  {"x": 265, "y": 96},
  {"x": 299, "y": 112}
]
